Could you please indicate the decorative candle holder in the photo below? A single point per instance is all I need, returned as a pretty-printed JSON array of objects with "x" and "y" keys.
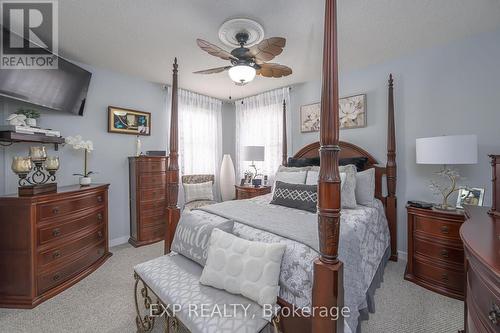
[{"x": 36, "y": 171}]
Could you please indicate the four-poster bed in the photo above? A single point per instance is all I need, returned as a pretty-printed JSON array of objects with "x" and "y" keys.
[{"x": 327, "y": 282}]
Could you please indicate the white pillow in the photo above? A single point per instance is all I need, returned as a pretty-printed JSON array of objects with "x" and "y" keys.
[
  {"x": 282, "y": 168},
  {"x": 292, "y": 177},
  {"x": 239, "y": 266},
  {"x": 365, "y": 187},
  {"x": 312, "y": 178},
  {"x": 200, "y": 191}
]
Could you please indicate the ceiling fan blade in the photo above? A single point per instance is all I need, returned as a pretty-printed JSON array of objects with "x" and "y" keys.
[
  {"x": 213, "y": 70},
  {"x": 268, "y": 49},
  {"x": 274, "y": 70},
  {"x": 214, "y": 50}
]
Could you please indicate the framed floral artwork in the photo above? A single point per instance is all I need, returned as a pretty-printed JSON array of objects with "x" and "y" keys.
[
  {"x": 128, "y": 121},
  {"x": 352, "y": 114}
]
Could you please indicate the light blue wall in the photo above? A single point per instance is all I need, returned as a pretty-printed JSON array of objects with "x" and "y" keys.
[
  {"x": 109, "y": 159},
  {"x": 445, "y": 90}
]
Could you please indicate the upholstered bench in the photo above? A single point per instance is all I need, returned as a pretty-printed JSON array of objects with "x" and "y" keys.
[{"x": 191, "y": 307}]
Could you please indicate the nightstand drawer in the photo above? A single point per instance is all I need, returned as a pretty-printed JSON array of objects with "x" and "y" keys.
[
  {"x": 439, "y": 251},
  {"x": 450, "y": 279},
  {"x": 437, "y": 227}
]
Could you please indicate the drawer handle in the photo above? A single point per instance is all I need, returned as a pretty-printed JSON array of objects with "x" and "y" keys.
[
  {"x": 444, "y": 277},
  {"x": 56, "y": 232},
  {"x": 55, "y": 210},
  {"x": 445, "y": 229},
  {"x": 56, "y": 254},
  {"x": 99, "y": 199},
  {"x": 99, "y": 234},
  {"x": 444, "y": 253},
  {"x": 99, "y": 216},
  {"x": 56, "y": 277},
  {"x": 494, "y": 314}
]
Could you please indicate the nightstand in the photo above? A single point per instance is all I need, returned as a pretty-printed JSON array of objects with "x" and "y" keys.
[
  {"x": 435, "y": 251},
  {"x": 247, "y": 192}
]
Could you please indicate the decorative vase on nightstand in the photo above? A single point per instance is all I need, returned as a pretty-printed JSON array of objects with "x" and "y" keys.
[
  {"x": 227, "y": 178},
  {"x": 85, "y": 181}
]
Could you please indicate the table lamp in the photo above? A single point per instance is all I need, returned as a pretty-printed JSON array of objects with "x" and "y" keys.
[
  {"x": 253, "y": 154},
  {"x": 447, "y": 150}
]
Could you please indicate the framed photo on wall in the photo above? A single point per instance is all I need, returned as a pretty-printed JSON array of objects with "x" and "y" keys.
[
  {"x": 352, "y": 114},
  {"x": 470, "y": 196},
  {"x": 128, "y": 121}
]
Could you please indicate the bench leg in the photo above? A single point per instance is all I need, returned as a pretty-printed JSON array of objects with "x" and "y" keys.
[{"x": 146, "y": 323}]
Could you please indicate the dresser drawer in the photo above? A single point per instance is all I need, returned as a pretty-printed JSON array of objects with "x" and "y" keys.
[
  {"x": 58, "y": 231},
  {"x": 53, "y": 278},
  {"x": 151, "y": 166},
  {"x": 435, "y": 250},
  {"x": 152, "y": 208},
  {"x": 153, "y": 180},
  {"x": 153, "y": 232},
  {"x": 436, "y": 227},
  {"x": 450, "y": 279},
  {"x": 63, "y": 251},
  {"x": 153, "y": 194},
  {"x": 153, "y": 220},
  {"x": 63, "y": 207}
]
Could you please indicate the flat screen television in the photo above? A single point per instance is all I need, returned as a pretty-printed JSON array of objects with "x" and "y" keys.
[{"x": 62, "y": 89}]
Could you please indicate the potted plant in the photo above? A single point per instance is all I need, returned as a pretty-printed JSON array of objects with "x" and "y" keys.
[
  {"x": 31, "y": 116},
  {"x": 78, "y": 143}
]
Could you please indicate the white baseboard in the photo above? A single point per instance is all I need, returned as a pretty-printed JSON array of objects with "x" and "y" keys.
[
  {"x": 118, "y": 241},
  {"x": 402, "y": 255}
]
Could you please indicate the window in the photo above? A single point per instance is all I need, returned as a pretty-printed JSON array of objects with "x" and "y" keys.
[{"x": 259, "y": 122}]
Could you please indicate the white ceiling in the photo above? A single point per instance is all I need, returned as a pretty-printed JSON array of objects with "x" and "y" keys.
[{"x": 141, "y": 37}]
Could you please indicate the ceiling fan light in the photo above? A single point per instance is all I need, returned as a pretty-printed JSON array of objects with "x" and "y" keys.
[{"x": 242, "y": 74}]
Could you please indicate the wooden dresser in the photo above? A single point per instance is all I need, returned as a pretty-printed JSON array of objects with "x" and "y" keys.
[
  {"x": 148, "y": 181},
  {"x": 247, "y": 192},
  {"x": 435, "y": 251},
  {"x": 51, "y": 241}
]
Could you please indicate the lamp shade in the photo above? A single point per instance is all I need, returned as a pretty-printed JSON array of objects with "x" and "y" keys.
[
  {"x": 453, "y": 149},
  {"x": 253, "y": 153}
]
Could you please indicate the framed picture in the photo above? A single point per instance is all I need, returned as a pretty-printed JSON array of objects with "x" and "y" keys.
[
  {"x": 309, "y": 117},
  {"x": 352, "y": 114},
  {"x": 470, "y": 196},
  {"x": 127, "y": 121}
]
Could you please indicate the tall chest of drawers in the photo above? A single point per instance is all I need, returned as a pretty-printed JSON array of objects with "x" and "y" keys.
[
  {"x": 49, "y": 242},
  {"x": 435, "y": 251},
  {"x": 148, "y": 199}
]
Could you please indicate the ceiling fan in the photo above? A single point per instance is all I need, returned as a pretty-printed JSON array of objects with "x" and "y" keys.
[{"x": 248, "y": 62}]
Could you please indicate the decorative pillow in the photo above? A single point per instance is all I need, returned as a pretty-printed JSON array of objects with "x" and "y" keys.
[
  {"x": 200, "y": 191},
  {"x": 299, "y": 196},
  {"x": 359, "y": 162},
  {"x": 348, "y": 195},
  {"x": 302, "y": 162},
  {"x": 293, "y": 177},
  {"x": 365, "y": 187},
  {"x": 193, "y": 234},
  {"x": 243, "y": 267}
]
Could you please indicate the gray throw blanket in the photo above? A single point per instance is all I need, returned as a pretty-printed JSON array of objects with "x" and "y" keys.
[{"x": 300, "y": 226}]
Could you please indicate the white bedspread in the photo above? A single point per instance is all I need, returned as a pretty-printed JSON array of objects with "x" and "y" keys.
[{"x": 364, "y": 237}]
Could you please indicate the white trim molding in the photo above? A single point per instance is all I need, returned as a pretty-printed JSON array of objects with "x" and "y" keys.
[
  {"x": 402, "y": 255},
  {"x": 118, "y": 241}
]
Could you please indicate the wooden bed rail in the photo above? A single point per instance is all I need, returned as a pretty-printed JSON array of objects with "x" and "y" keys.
[
  {"x": 173, "y": 212},
  {"x": 391, "y": 171}
]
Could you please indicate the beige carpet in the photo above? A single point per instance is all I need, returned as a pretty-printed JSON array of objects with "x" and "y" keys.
[{"x": 103, "y": 302}]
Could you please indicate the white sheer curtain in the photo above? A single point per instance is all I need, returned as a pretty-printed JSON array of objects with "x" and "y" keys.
[
  {"x": 200, "y": 139},
  {"x": 259, "y": 122}
]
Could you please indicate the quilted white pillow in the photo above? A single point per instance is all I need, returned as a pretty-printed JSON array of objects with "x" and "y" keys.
[
  {"x": 239, "y": 266},
  {"x": 291, "y": 177},
  {"x": 200, "y": 191}
]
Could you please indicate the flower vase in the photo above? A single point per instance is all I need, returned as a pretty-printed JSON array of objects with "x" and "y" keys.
[
  {"x": 227, "y": 178},
  {"x": 85, "y": 181},
  {"x": 31, "y": 122}
]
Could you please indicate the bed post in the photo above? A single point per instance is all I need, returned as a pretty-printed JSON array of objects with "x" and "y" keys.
[
  {"x": 285, "y": 153},
  {"x": 328, "y": 285},
  {"x": 173, "y": 212},
  {"x": 391, "y": 205}
]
